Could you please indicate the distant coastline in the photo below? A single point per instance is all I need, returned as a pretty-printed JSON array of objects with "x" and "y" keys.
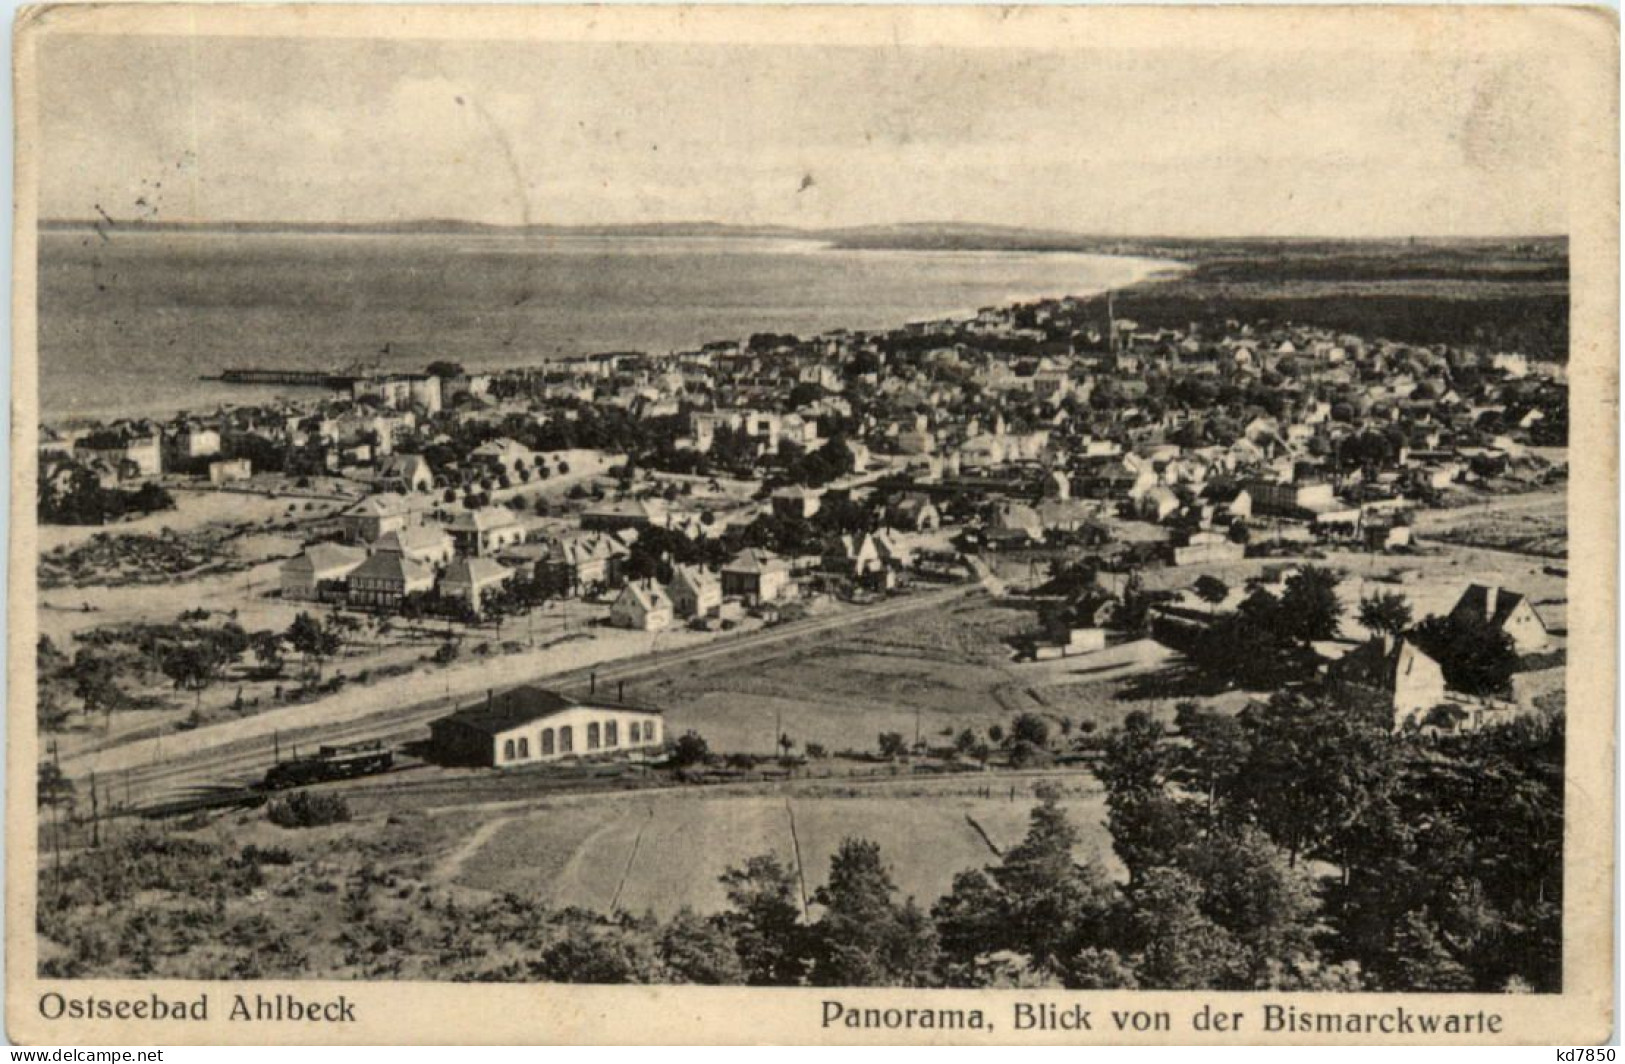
[{"x": 920, "y": 236}]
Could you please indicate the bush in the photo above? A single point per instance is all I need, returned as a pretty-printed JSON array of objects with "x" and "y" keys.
[
  {"x": 1026, "y": 755},
  {"x": 1030, "y": 728},
  {"x": 690, "y": 749},
  {"x": 308, "y": 809}
]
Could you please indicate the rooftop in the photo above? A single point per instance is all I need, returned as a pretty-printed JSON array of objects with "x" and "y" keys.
[
  {"x": 388, "y": 504},
  {"x": 475, "y": 571},
  {"x": 320, "y": 557},
  {"x": 1493, "y": 604},
  {"x": 485, "y": 519},
  {"x": 523, "y": 705},
  {"x": 392, "y": 567},
  {"x": 418, "y": 537},
  {"x": 752, "y": 560}
]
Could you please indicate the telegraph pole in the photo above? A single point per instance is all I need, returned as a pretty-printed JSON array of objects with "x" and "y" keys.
[
  {"x": 56, "y": 814},
  {"x": 1111, "y": 323}
]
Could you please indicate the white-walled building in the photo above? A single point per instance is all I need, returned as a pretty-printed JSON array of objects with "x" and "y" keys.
[
  {"x": 530, "y": 724},
  {"x": 1506, "y": 610},
  {"x": 484, "y": 532},
  {"x": 643, "y": 609},
  {"x": 469, "y": 579},
  {"x": 694, "y": 592},
  {"x": 321, "y": 563}
]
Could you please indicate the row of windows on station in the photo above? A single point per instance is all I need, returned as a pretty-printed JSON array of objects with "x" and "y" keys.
[{"x": 563, "y": 740}]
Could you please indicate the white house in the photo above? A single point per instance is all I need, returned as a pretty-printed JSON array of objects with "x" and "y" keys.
[
  {"x": 916, "y": 513},
  {"x": 469, "y": 579},
  {"x": 1506, "y": 610},
  {"x": 226, "y": 470},
  {"x": 755, "y": 576},
  {"x": 854, "y": 556},
  {"x": 375, "y": 516},
  {"x": 1397, "y": 671},
  {"x": 321, "y": 563},
  {"x": 694, "y": 592},
  {"x": 644, "y": 609},
  {"x": 485, "y": 531},
  {"x": 405, "y": 472}
]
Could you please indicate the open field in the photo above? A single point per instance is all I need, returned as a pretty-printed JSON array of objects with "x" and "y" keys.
[
  {"x": 945, "y": 669},
  {"x": 661, "y": 851},
  {"x": 1540, "y": 528},
  {"x": 939, "y": 673}
]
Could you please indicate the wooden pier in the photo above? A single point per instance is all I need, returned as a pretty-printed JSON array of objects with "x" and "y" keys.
[{"x": 305, "y": 378}]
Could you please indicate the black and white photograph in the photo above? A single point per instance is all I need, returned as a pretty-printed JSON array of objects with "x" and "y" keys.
[{"x": 961, "y": 513}]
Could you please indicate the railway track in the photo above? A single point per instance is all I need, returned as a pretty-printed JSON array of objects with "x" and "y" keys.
[{"x": 242, "y": 763}]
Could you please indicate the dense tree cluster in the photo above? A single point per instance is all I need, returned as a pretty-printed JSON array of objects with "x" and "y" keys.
[
  {"x": 1266, "y": 641},
  {"x": 1307, "y": 845},
  {"x": 83, "y": 500},
  {"x": 1477, "y": 658},
  {"x": 817, "y": 468}
]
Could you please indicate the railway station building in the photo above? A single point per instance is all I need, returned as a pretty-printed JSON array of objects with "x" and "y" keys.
[{"x": 528, "y": 724}]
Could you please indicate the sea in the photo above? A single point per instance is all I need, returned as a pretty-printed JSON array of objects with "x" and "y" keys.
[{"x": 131, "y": 322}]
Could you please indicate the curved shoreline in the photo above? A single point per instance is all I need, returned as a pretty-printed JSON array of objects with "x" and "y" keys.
[{"x": 1143, "y": 271}]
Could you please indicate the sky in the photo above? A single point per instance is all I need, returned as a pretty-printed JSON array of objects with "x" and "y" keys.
[{"x": 1169, "y": 141}]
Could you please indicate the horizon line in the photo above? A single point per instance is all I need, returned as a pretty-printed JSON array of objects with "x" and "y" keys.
[{"x": 962, "y": 226}]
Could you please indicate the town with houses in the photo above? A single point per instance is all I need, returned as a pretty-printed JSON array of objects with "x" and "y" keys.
[
  {"x": 1231, "y": 509},
  {"x": 1023, "y": 428}
]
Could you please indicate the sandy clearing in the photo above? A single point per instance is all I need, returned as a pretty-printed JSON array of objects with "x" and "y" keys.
[
  {"x": 452, "y": 865},
  {"x": 528, "y": 852},
  {"x": 194, "y": 509},
  {"x": 681, "y": 857},
  {"x": 925, "y": 843},
  {"x": 598, "y": 866},
  {"x": 61, "y": 612}
]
